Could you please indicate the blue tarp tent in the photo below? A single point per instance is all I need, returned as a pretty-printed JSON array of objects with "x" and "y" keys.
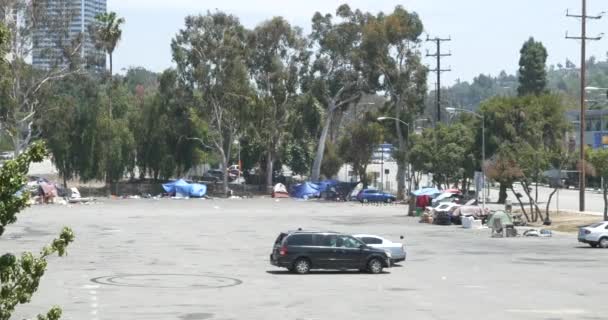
[
  {"x": 426, "y": 192},
  {"x": 198, "y": 190},
  {"x": 326, "y": 184},
  {"x": 305, "y": 190},
  {"x": 181, "y": 188}
]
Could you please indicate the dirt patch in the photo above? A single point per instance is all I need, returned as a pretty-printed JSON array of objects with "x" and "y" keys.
[{"x": 569, "y": 221}]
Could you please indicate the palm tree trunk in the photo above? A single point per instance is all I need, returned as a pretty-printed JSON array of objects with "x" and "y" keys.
[{"x": 111, "y": 84}]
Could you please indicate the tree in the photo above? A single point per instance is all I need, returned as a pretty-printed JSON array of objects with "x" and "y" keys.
[
  {"x": 599, "y": 160},
  {"x": 211, "y": 60},
  {"x": 23, "y": 87},
  {"x": 20, "y": 277},
  {"x": 524, "y": 133},
  {"x": 106, "y": 33},
  {"x": 444, "y": 151},
  {"x": 331, "y": 161},
  {"x": 357, "y": 146},
  {"x": 277, "y": 59},
  {"x": 337, "y": 77},
  {"x": 392, "y": 43},
  {"x": 532, "y": 68}
]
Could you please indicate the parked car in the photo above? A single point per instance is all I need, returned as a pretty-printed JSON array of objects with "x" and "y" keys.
[
  {"x": 301, "y": 251},
  {"x": 595, "y": 235},
  {"x": 214, "y": 176},
  {"x": 373, "y": 195},
  {"x": 397, "y": 250}
]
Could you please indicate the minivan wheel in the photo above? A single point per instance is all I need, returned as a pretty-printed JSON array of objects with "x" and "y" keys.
[
  {"x": 365, "y": 201},
  {"x": 301, "y": 266},
  {"x": 374, "y": 266},
  {"x": 389, "y": 200},
  {"x": 604, "y": 243}
]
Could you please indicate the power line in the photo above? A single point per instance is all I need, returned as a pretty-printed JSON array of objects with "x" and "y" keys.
[
  {"x": 438, "y": 70},
  {"x": 583, "y": 37}
]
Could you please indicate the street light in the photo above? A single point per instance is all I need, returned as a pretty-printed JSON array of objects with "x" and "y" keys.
[
  {"x": 483, "y": 144},
  {"x": 407, "y": 141}
]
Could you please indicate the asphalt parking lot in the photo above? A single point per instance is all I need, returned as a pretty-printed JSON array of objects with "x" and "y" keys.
[{"x": 208, "y": 259}]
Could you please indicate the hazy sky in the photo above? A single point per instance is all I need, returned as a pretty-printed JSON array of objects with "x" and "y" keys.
[{"x": 486, "y": 34}]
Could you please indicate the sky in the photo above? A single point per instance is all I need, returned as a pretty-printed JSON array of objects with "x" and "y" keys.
[{"x": 486, "y": 34}]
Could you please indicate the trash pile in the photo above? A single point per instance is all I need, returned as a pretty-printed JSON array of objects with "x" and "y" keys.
[{"x": 43, "y": 191}]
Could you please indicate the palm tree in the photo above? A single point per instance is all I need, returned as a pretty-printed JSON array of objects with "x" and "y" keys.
[{"x": 106, "y": 33}]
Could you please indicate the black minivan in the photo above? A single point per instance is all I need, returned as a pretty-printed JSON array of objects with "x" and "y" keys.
[{"x": 301, "y": 251}]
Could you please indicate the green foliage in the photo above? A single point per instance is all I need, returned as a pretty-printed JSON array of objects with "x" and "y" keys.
[
  {"x": 444, "y": 151},
  {"x": 211, "y": 53},
  {"x": 357, "y": 146},
  {"x": 13, "y": 176},
  {"x": 532, "y": 68},
  {"x": 599, "y": 160},
  {"x": 106, "y": 32},
  {"x": 331, "y": 161},
  {"x": 20, "y": 277}
]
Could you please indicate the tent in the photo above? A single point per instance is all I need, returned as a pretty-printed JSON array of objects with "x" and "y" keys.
[
  {"x": 198, "y": 190},
  {"x": 305, "y": 190},
  {"x": 503, "y": 216},
  {"x": 426, "y": 192},
  {"x": 326, "y": 185},
  {"x": 279, "y": 191},
  {"x": 183, "y": 189}
]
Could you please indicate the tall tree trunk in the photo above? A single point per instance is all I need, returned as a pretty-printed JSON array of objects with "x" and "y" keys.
[
  {"x": 316, "y": 166},
  {"x": 111, "y": 87},
  {"x": 269, "y": 170},
  {"x": 549, "y": 202},
  {"x": 225, "y": 176},
  {"x": 502, "y": 194},
  {"x": 402, "y": 162},
  {"x": 521, "y": 204}
]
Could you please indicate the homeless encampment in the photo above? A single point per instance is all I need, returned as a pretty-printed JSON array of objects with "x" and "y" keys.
[
  {"x": 182, "y": 189},
  {"x": 305, "y": 190},
  {"x": 280, "y": 191}
]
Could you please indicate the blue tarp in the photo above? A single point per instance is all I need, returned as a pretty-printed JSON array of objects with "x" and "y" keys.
[
  {"x": 326, "y": 184},
  {"x": 426, "y": 192},
  {"x": 305, "y": 190},
  {"x": 181, "y": 188}
]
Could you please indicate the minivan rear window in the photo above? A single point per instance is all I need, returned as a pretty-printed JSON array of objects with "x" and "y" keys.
[
  {"x": 300, "y": 240},
  {"x": 280, "y": 239}
]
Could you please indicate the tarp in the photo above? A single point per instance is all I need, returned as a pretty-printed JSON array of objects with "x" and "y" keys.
[
  {"x": 279, "y": 187},
  {"x": 325, "y": 185},
  {"x": 466, "y": 211},
  {"x": 183, "y": 189},
  {"x": 48, "y": 190},
  {"x": 280, "y": 191},
  {"x": 426, "y": 192},
  {"x": 503, "y": 216},
  {"x": 305, "y": 190},
  {"x": 198, "y": 190}
]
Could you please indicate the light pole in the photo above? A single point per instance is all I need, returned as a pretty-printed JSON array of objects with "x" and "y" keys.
[
  {"x": 407, "y": 142},
  {"x": 483, "y": 145}
]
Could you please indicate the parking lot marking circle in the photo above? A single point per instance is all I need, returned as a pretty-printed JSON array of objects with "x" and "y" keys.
[{"x": 168, "y": 281}]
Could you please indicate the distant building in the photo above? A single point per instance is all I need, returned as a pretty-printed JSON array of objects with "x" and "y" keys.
[
  {"x": 50, "y": 42},
  {"x": 596, "y": 128}
]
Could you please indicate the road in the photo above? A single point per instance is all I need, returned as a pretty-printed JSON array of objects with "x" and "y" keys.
[
  {"x": 208, "y": 259},
  {"x": 566, "y": 199}
]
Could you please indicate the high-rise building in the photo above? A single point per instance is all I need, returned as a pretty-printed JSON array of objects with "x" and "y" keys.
[{"x": 66, "y": 21}]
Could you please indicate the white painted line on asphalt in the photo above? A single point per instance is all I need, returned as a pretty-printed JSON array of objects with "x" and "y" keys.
[
  {"x": 91, "y": 286},
  {"x": 551, "y": 312}
]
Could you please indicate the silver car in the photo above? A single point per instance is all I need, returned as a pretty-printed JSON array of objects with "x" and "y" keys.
[
  {"x": 396, "y": 249},
  {"x": 595, "y": 235}
]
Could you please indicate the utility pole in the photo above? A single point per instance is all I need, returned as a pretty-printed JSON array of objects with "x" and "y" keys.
[
  {"x": 438, "y": 70},
  {"x": 583, "y": 38}
]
